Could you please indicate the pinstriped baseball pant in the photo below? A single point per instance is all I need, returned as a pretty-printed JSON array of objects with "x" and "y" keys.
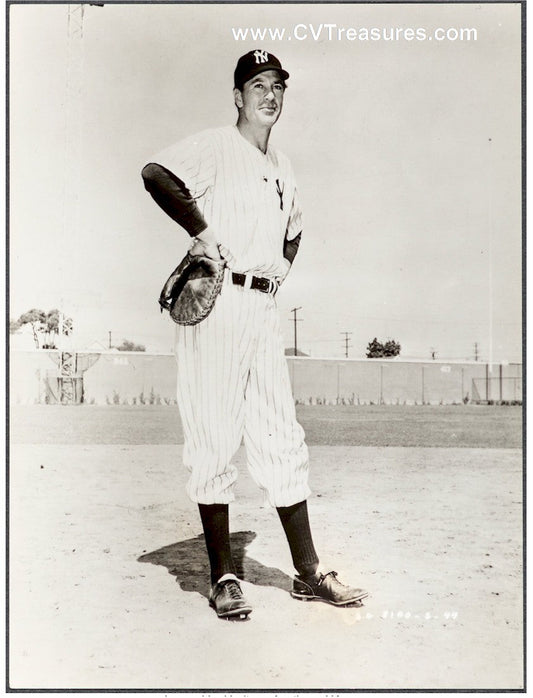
[{"x": 233, "y": 384}]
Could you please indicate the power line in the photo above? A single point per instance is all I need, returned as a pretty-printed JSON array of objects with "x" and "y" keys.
[
  {"x": 346, "y": 342},
  {"x": 414, "y": 318}
]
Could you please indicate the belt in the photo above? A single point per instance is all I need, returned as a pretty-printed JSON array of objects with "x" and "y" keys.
[{"x": 255, "y": 282}]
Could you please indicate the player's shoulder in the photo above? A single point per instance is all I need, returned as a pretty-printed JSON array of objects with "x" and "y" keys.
[
  {"x": 283, "y": 160},
  {"x": 211, "y": 137},
  {"x": 189, "y": 147},
  {"x": 196, "y": 139}
]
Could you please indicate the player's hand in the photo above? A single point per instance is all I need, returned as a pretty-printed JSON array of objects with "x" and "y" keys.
[
  {"x": 287, "y": 267},
  {"x": 205, "y": 244}
]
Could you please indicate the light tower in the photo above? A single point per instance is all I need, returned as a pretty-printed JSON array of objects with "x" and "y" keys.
[{"x": 71, "y": 181}]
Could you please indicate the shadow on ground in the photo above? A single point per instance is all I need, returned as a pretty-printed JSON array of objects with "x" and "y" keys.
[{"x": 187, "y": 560}]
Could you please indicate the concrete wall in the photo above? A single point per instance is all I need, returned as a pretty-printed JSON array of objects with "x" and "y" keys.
[
  {"x": 138, "y": 378},
  {"x": 107, "y": 377},
  {"x": 365, "y": 381},
  {"x": 131, "y": 378}
]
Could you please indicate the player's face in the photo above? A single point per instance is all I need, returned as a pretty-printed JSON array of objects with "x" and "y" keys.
[{"x": 261, "y": 99}]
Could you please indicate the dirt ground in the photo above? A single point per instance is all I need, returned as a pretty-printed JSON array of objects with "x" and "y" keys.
[{"x": 108, "y": 574}]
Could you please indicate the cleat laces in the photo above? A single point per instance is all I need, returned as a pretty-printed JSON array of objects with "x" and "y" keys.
[{"x": 233, "y": 590}]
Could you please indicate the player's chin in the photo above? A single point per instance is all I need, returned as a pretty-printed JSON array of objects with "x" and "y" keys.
[
  {"x": 270, "y": 116},
  {"x": 270, "y": 119}
]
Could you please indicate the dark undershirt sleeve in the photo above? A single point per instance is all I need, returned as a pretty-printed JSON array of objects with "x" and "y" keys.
[
  {"x": 172, "y": 195},
  {"x": 290, "y": 248}
]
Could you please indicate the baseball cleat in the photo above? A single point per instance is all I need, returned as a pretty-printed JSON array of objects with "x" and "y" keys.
[
  {"x": 326, "y": 587},
  {"x": 227, "y": 599}
]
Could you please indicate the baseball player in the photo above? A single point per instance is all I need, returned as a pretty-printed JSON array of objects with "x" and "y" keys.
[{"x": 236, "y": 196}]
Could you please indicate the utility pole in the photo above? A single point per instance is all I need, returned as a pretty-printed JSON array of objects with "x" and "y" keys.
[
  {"x": 295, "y": 320},
  {"x": 476, "y": 352},
  {"x": 109, "y": 333},
  {"x": 346, "y": 342}
]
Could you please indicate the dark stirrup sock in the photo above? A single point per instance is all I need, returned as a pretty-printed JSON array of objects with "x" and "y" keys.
[
  {"x": 295, "y": 522},
  {"x": 215, "y": 522}
]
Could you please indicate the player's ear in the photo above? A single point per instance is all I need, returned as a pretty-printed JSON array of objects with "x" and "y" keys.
[{"x": 237, "y": 96}]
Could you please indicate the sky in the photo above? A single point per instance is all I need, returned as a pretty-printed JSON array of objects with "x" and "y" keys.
[{"x": 407, "y": 155}]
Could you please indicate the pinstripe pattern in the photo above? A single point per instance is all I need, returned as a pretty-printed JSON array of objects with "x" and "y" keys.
[
  {"x": 233, "y": 381},
  {"x": 226, "y": 175}
]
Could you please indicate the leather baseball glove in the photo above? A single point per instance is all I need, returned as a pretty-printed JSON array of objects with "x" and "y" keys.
[{"x": 192, "y": 289}]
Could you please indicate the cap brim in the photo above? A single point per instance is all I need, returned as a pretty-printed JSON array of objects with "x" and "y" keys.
[{"x": 262, "y": 69}]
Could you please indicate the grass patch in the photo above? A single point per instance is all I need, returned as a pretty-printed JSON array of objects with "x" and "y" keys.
[{"x": 473, "y": 426}]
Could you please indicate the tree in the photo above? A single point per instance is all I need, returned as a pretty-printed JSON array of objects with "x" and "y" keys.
[
  {"x": 45, "y": 324},
  {"x": 130, "y": 346},
  {"x": 14, "y": 326},
  {"x": 379, "y": 350},
  {"x": 52, "y": 328},
  {"x": 392, "y": 348},
  {"x": 35, "y": 318}
]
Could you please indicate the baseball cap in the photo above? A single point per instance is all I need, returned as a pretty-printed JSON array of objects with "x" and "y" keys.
[{"x": 255, "y": 62}]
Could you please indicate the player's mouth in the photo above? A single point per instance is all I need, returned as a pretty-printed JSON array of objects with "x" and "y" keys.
[{"x": 270, "y": 108}]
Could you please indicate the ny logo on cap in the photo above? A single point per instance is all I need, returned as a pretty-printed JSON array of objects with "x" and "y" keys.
[{"x": 261, "y": 56}]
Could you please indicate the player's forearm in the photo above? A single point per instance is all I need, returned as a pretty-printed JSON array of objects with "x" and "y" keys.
[
  {"x": 172, "y": 195},
  {"x": 290, "y": 248}
]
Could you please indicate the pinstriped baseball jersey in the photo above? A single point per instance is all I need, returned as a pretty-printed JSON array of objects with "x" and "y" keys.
[
  {"x": 248, "y": 197},
  {"x": 233, "y": 382}
]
